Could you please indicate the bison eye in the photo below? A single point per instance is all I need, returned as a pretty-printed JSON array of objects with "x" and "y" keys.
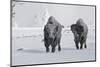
[
  {"x": 54, "y": 33},
  {"x": 56, "y": 29},
  {"x": 48, "y": 29}
]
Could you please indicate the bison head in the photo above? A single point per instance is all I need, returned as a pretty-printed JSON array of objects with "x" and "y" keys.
[
  {"x": 77, "y": 31},
  {"x": 50, "y": 31}
]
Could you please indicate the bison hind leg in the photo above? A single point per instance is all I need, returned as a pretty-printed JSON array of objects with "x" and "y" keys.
[
  {"x": 85, "y": 46},
  {"x": 53, "y": 47},
  {"x": 59, "y": 48}
]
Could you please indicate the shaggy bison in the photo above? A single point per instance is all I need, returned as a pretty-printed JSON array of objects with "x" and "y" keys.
[
  {"x": 80, "y": 31},
  {"x": 52, "y": 34}
]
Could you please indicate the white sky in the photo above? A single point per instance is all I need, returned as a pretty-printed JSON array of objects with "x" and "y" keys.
[{"x": 34, "y": 14}]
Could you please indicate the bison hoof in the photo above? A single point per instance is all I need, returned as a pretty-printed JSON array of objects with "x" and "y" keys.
[
  {"x": 77, "y": 48},
  {"x": 53, "y": 51},
  {"x": 59, "y": 49},
  {"x": 81, "y": 48},
  {"x": 85, "y": 46},
  {"x": 47, "y": 50}
]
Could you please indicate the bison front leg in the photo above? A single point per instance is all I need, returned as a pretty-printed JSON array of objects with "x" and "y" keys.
[
  {"x": 85, "y": 46},
  {"x": 76, "y": 43},
  {"x": 59, "y": 47},
  {"x": 53, "y": 45},
  {"x": 81, "y": 43},
  {"x": 53, "y": 49},
  {"x": 77, "y": 46},
  {"x": 81, "y": 47},
  {"x": 47, "y": 47}
]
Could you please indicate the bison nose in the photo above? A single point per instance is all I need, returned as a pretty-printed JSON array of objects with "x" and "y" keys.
[
  {"x": 77, "y": 35},
  {"x": 51, "y": 38}
]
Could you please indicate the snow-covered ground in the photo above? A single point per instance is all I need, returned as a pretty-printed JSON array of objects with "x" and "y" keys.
[{"x": 28, "y": 48}]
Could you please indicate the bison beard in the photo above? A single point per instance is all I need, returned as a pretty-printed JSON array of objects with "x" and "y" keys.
[
  {"x": 52, "y": 34},
  {"x": 52, "y": 42}
]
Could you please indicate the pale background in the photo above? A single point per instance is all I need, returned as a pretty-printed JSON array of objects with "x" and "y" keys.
[
  {"x": 30, "y": 14},
  {"x": 5, "y": 39},
  {"x": 28, "y": 23}
]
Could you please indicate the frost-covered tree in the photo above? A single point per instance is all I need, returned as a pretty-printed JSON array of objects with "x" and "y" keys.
[{"x": 14, "y": 24}]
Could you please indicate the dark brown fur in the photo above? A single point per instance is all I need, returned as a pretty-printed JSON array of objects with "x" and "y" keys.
[
  {"x": 80, "y": 31},
  {"x": 52, "y": 34}
]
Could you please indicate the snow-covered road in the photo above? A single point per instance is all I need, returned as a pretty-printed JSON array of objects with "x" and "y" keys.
[{"x": 32, "y": 50}]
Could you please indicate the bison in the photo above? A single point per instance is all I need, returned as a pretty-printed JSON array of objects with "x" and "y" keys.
[
  {"x": 52, "y": 34},
  {"x": 80, "y": 31}
]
